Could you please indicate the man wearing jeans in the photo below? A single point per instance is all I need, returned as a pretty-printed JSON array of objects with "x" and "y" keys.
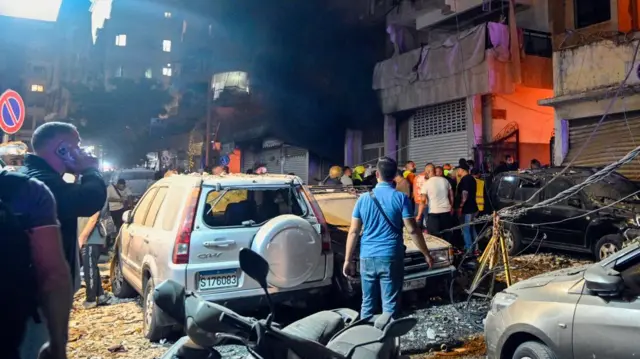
[
  {"x": 380, "y": 215},
  {"x": 467, "y": 207}
]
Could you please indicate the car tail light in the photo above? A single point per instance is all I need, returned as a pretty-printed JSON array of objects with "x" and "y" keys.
[
  {"x": 324, "y": 230},
  {"x": 183, "y": 237}
]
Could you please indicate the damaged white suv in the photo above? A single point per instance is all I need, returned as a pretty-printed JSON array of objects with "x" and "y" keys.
[{"x": 191, "y": 228}]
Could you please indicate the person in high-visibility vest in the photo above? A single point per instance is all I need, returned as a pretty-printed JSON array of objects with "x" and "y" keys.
[{"x": 479, "y": 189}]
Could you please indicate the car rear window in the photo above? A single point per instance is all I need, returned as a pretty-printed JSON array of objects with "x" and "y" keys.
[
  {"x": 244, "y": 207},
  {"x": 136, "y": 175}
]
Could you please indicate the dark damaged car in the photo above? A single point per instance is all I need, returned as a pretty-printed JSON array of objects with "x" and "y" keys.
[{"x": 597, "y": 220}]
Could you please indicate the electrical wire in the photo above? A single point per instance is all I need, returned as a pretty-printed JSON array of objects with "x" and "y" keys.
[
  {"x": 578, "y": 216},
  {"x": 604, "y": 116}
]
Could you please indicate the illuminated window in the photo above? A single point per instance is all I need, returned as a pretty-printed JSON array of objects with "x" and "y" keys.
[
  {"x": 37, "y": 88},
  {"x": 121, "y": 40},
  {"x": 166, "y": 71},
  {"x": 167, "y": 15},
  {"x": 148, "y": 74},
  {"x": 166, "y": 45}
]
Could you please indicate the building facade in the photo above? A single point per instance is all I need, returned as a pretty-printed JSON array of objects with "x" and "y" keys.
[
  {"x": 596, "y": 110},
  {"x": 462, "y": 81},
  {"x": 139, "y": 40},
  {"x": 46, "y": 54}
]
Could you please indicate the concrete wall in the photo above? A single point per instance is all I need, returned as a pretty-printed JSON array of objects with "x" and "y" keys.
[
  {"x": 589, "y": 67},
  {"x": 536, "y": 17}
]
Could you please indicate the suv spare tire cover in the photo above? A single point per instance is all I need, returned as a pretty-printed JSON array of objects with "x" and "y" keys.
[{"x": 292, "y": 247}]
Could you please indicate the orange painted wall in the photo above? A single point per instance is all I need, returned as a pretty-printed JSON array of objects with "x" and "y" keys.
[{"x": 535, "y": 122}]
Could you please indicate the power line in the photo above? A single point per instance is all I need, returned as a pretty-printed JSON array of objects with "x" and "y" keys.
[
  {"x": 606, "y": 113},
  {"x": 576, "y": 217}
]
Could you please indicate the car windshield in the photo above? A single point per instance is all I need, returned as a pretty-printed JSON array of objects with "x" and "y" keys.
[
  {"x": 249, "y": 206},
  {"x": 614, "y": 186}
]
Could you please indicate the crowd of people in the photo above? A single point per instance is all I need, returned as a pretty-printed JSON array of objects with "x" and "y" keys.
[
  {"x": 436, "y": 199},
  {"x": 442, "y": 196}
]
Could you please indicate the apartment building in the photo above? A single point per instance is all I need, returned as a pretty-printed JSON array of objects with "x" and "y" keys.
[
  {"x": 140, "y": 39},
  {"x": 47, "y": 50},
  {"x": 461, "y": 80},
  {"x": 595, "y": 47}
]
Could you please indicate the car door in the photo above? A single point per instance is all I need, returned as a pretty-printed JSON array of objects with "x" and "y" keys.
[
  {"x": 559, "y": 229},
  {"x": 136, "y": 233},
  {"x": 508, "y": 192},
  {"x": 140, "y": 243},
  {"x": 607, "y": 327},
  {"x": 525, "y": 195}
]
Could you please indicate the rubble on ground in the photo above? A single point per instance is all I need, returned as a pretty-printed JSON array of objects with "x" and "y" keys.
[
  {"x": 531, "y": 265},
  {"x": 443, "y": 331}
]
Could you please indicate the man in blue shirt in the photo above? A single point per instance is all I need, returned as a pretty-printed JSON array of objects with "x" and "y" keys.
[{"x": 381, "y": 246}]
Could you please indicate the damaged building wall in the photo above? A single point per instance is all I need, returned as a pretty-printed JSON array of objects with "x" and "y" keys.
[{"x": 590, "y": 67}]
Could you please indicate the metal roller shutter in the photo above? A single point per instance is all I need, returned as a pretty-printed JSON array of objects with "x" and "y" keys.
[
  {"x": 438, "y": 134},
  {"x": 272, "y": 159},
  {"x": 614, "y": 139},
  {"x": 296, "y": 160},
  {"x": 248, "y": 160}
]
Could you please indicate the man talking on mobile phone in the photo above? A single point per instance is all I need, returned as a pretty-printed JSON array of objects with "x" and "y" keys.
[{"x": 56, "y": 152}]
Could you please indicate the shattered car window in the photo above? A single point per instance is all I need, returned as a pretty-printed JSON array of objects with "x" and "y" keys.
[{"x": 614, "y": 186}]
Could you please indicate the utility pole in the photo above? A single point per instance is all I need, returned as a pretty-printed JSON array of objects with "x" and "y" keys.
[{"x": 208, "y": 119}]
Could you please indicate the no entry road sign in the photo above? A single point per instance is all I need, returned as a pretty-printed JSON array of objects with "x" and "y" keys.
[{"x": 12, "y": 112}]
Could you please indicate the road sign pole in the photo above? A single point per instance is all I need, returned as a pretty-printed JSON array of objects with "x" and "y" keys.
[{"x": 5, "y": 138}]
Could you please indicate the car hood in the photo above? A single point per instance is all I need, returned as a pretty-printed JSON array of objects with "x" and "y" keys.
[{"x": 568, "y": 276}]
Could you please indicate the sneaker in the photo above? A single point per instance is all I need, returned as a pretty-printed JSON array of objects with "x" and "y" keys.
[{"x": 89, "y": 305}]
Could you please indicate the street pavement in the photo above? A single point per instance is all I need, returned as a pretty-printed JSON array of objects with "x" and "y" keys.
[{"x": 443, "y": 330}]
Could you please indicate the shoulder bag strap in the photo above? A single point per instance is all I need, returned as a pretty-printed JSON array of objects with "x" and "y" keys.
[
  {"x": 117, "y": 191},
  {"x": 386, "y": 218}
]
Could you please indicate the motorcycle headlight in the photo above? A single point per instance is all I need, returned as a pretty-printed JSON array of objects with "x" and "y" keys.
[{"x": 502, "y": 300}]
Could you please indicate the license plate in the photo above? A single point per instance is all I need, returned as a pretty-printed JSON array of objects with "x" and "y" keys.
[
  {"x": 217, "y": 279},
  {"x": 414, "y": 284}
]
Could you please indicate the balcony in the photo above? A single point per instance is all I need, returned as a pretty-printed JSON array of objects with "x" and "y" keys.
[{"x": 465, "y": 13}]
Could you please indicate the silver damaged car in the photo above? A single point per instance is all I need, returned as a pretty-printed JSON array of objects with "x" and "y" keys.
[{"x": 586, "y": 312}]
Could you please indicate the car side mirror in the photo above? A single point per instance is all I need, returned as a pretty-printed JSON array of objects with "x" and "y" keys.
[
  {"x": 126, "y": 217},
  {"x": 255, "y": 266},
  {"x": 603, "y": 282}
]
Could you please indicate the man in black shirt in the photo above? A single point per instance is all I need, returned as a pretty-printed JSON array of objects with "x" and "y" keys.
[
  {"x": 467, "y": 208},
  {"x": 34, "y": 208},
  {"x": 56, "y": 147}
]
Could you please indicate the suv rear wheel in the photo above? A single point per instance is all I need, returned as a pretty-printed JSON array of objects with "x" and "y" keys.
[
  {"x": 119, "y": 285},
  {"x": 150, "y": 327},
  {"x": 606, "y": 246}
]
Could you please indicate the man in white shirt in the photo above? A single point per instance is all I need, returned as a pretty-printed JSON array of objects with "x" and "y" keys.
[
  {"x": 437, "y": 196},
  {"x": 119, "y": 198}
]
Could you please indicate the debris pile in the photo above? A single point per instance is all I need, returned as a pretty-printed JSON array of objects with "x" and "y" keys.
[{"x": 530, "y": 265}]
